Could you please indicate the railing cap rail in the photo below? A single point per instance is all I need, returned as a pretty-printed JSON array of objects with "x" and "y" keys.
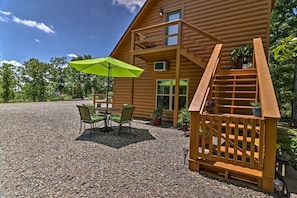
[{"x": 269, "y": 106}]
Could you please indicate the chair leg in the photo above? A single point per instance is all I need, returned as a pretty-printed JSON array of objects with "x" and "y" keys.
[
  {"x": 80, "y": 127},
  {"x": 130, "y": 126},
  {"x": 120, "y": 127}
]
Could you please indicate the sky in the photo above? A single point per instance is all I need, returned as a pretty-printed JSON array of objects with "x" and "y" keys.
[{"x": 44, "y": 29}]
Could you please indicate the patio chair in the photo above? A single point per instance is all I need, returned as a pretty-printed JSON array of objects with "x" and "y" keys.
[
  {"x": 92, "y": 110},
  {"x": 125, "y": 116},
  {"x": 87, "y": 117}
]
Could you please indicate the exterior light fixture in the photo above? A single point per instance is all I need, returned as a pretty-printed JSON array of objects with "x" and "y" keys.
[
  {"x": 161, "y": 13},
  {"x": 278, "y": 186}
]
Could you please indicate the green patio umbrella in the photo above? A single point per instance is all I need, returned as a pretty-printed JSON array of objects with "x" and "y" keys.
[{"x": 106, "y": 66}]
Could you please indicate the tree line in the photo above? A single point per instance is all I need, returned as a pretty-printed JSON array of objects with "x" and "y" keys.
[{"x": 40, "y": 81}]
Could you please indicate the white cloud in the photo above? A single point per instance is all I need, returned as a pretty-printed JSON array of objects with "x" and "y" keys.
[
  {"x": 4, "y": 19},
  {"x": 34, "y": 24},
  {"x": 37, "y": 40},
  {"x": 12, "y": 62},
  {"x": 72, "y": 55},
  {"x": 131, "y": 5},
  {"x": 5, "y": 13}
]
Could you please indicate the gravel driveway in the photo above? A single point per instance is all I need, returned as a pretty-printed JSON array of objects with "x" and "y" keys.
[{"x": 42, "y": 154}]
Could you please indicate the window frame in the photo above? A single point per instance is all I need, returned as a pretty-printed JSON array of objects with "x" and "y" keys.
[
  {"x": 168, "y": 39},
  {"x": 171, "y": 94}
]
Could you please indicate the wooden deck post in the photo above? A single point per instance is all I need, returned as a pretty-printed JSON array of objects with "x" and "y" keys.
[
  {"x": 177, "y": 78},
  {"x": 195, "y": 119},
  {"x": 270, "y": 154}
]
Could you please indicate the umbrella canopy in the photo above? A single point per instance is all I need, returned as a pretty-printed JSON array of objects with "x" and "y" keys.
[
  {"x": 106, "y": 66},
  {"x": 182, "y": 83}
]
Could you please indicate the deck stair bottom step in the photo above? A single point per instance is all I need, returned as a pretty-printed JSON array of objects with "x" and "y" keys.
[{"x": 230, "y": 172}]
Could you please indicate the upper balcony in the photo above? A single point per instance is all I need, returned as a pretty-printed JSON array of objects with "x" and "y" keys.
[{"x": 167, "y": 37}]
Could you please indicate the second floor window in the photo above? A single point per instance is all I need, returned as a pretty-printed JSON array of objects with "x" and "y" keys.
[{"x": 172, "y": 31}]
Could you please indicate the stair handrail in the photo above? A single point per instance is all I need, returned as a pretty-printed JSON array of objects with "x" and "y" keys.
[
  {"x": 269, "y": 106},
  {"x": 201, "y": 92}
]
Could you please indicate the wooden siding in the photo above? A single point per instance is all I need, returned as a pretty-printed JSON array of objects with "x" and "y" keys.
[{"x": 234, "y": 22}]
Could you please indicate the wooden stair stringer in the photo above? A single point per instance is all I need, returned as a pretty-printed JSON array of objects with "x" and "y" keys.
[{"x": 194, "y": 58}]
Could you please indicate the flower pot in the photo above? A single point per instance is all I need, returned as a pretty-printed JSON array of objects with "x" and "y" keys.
[
  {"x": 157, "y": 121},
  {"x": 186, "y": 126},
  {"x": 239, "y": 62},
  {"x": 256, "y": 111},
  {"x": 210, "y": 109}
]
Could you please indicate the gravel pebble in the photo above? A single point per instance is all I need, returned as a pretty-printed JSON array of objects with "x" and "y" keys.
[{"x": 42, "y": 154}]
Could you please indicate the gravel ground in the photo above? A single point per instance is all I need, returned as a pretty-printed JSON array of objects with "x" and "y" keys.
[{"x": 42, "y": 154}]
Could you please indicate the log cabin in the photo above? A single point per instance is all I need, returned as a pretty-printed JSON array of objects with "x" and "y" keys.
[{"x": 186, "y": 45}]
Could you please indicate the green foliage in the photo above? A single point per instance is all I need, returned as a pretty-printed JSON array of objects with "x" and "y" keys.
[
  {"x": 283, "y": 20},
  {"x": 157, "y": 113},
  {"x": 255, "y": 104},
  {"x": 8, "y": 82},
  {"x": 245, "y": 52},
  {"x": 283, "y": 61},
  {"x": 36, "y": 74},
  {"x": 287, "y": 140},
  {"x": 39, "y": 81},
  {"x": 184, "y": 116}
]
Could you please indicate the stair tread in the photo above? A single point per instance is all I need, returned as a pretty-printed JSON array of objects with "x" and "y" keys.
[
  {"x": 243, "y": 99},
  {"x": 231, "y": 167},
  {"x": 236, "y": 85},
  {"x": 234, "y": 106},
  {"x": 231, "y": 91}
]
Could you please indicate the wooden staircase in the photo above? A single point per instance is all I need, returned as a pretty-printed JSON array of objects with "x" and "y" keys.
[
  {"x": 235, "y": 133},
  {"x": 226, "y": 140},
  {"x": 233, "y": 91}
]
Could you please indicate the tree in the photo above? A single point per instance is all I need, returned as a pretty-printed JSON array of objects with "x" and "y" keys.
[
  {"x": 8, "y": 81},
  {"x": 36, "y": 75},
  {"x": 59, "y": 75},
  {"x": 283, "y": 25},
  {"x": 286, "y": 53},
  {"x": 283, "y": 20}
]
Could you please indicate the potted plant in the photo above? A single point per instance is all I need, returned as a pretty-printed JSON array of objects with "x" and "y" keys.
[
  {"x": 209, "y": 105},
  {"x": 157, "y": 116},
  {"x": 256, "y": 108},
  {"x": 242, "y": 56},
  {"x": 184, "y": 118}
]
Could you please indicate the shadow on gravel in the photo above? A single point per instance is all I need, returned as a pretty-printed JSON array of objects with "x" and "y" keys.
[{"x": 113, "y": 139}]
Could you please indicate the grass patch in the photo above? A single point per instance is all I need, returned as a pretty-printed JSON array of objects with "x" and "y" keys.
[{"x": 287, "y": 139}]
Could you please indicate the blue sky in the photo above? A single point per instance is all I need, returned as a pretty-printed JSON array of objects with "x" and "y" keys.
[{"x": 44, "y": 29}]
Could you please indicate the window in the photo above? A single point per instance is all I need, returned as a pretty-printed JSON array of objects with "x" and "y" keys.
[
  {"x": 173, "y": 29},
  {"x": 166, "y": 93}
]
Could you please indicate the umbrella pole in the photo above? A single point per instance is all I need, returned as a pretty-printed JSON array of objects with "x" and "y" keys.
[{"x": 107, "y": 90}]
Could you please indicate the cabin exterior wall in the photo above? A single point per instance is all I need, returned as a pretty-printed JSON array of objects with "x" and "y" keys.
[{"x": 234, "y": 22}]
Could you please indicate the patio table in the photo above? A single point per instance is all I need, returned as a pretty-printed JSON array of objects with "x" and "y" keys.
[{"x": 107, "y": 111}]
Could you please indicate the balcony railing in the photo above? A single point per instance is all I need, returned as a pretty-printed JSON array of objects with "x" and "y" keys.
[{"x": 186, "y": 36}]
